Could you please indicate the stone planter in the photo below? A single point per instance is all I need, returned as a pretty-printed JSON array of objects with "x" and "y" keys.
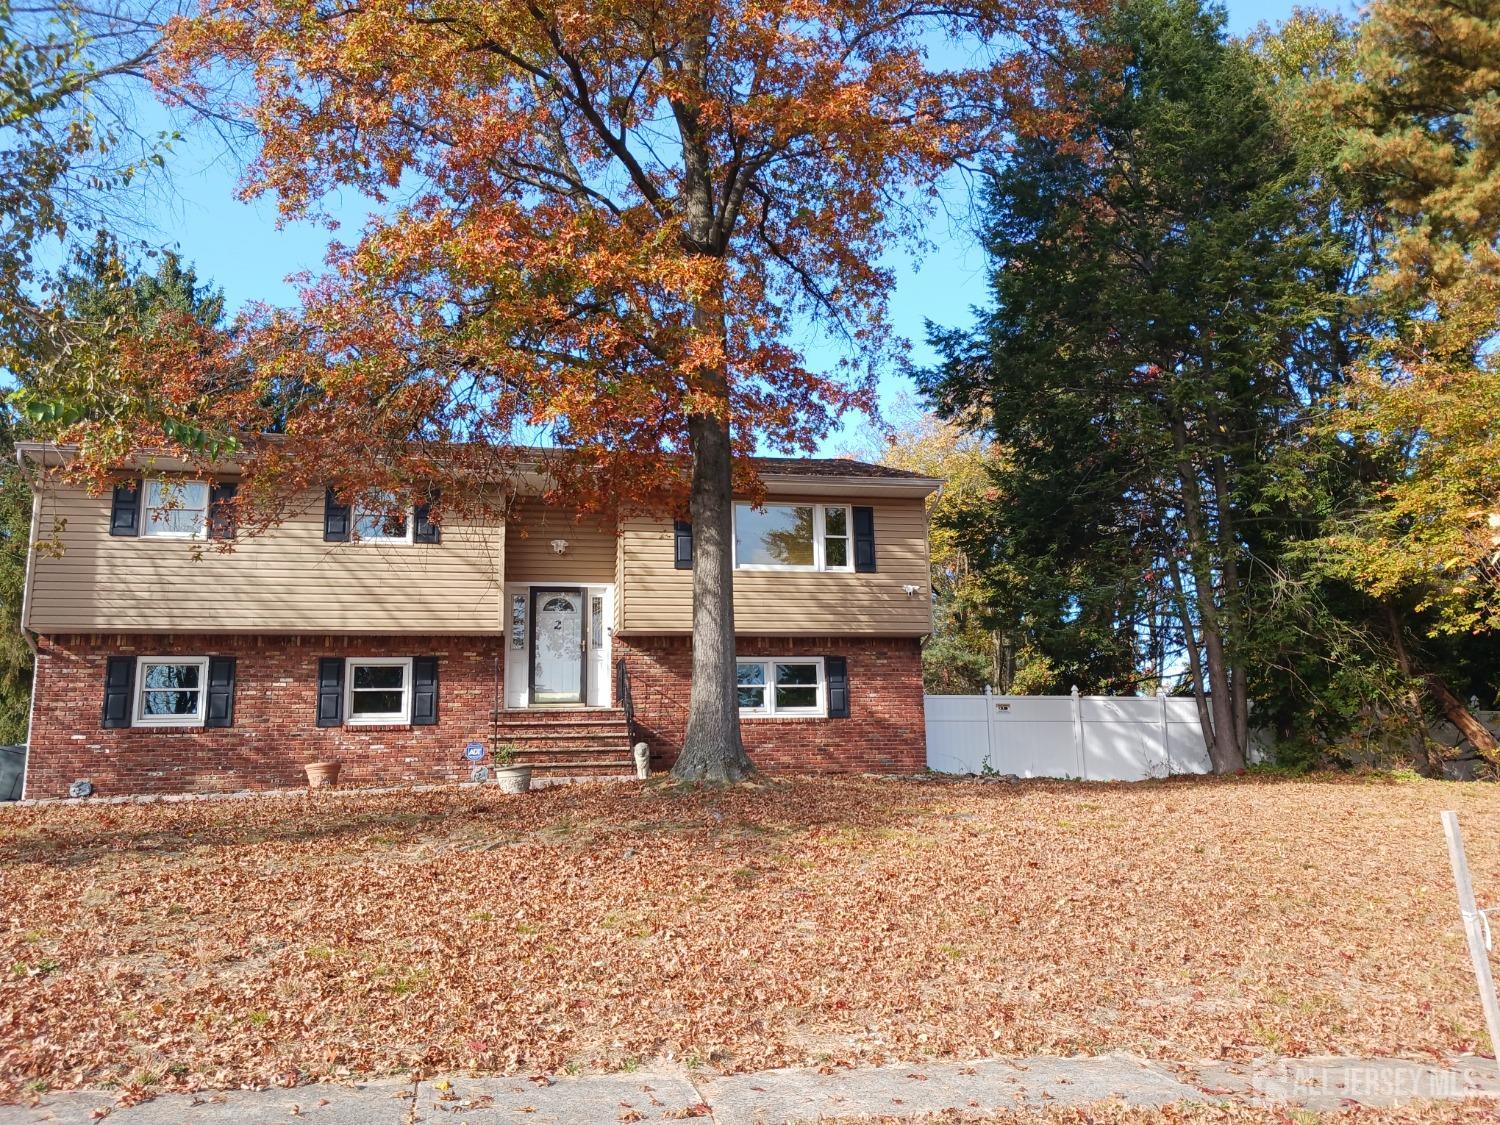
[
  {"x": 322, "y": 775},
  {"x": 513, "y": 779}
]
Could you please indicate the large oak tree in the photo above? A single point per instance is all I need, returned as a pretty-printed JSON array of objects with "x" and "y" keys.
[{"x": 601, "y": 226}]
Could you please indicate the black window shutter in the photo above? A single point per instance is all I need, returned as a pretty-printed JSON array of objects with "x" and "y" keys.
[
  {"x": 330, "y": 691},
  {"x": 221, "y": 514},
  {"x": 335, "y": 519},
  {"x": 119, "y": 679},
  {"x": 424, "y": 691},
  {"x": 220, "y": 709},
  {"x": 864, "y": 540},
  {"x": 836, "y": 672},
  {"x": 423, "y": 529},
  {"x": 125, "y": 509},
  {"x": 682, "y": 545}
]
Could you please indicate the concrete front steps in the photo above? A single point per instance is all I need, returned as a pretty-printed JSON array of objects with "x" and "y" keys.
[{"x": 570, "y": 741}]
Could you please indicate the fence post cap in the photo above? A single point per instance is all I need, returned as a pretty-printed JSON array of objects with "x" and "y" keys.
[{"x": 1074, "y": 692}]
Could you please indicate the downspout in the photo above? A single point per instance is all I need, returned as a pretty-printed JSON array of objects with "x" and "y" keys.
[
  {"x": 36, "y": 514},
  {"x": 26, "y": 634}
]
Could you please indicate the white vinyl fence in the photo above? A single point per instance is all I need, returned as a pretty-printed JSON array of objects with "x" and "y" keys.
[{"x": 1092, "y": 737}]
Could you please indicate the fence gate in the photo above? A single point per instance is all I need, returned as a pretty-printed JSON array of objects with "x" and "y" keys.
[{"x": 1091, "y": 737}]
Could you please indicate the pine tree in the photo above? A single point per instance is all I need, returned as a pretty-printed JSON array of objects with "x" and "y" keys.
[
  {"x": 1151, "y": 268},
  {"x": 1425, "y": 144}
]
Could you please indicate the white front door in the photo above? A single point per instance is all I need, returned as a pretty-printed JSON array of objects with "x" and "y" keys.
[{"x": 557, "y": 646}]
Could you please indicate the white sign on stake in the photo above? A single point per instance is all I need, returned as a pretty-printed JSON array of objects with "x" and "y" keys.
[{"x": 1476, "y": 929}]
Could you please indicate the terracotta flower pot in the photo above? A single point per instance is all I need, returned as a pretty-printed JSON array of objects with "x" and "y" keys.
[{"x": 322, "y": 775}]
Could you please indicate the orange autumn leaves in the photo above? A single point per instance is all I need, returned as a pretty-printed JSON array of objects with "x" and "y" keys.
[
  {"x": 591, "y": 221},
  {"x": 219, "y": 943}
]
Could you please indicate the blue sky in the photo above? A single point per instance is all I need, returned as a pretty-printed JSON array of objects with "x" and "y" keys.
[{"x": 238, "y": 246}]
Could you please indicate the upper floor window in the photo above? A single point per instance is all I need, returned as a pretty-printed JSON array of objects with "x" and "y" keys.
[
  {"x": 791, "y": 537},
  {"x": 382, "y": 520},
  {"x": 176, "y": 509}
]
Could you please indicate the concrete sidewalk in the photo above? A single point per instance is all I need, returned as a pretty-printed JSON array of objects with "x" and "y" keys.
[{"x": 776, "y": 1096}]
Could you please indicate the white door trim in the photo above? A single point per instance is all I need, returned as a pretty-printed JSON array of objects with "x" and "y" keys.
[{"x": 598, "y": 681}]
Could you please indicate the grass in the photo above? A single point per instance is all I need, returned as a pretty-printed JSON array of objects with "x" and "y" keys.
[{"x": 798, "y": 922}]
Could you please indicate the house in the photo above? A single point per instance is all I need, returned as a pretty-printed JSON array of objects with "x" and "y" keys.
[{"x": 392, "y": 644}]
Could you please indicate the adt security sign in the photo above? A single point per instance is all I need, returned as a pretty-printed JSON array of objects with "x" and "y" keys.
[{"x": 474, "y": 751}]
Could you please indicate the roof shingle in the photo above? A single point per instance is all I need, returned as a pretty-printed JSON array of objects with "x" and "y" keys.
[{"x": 829, "y": 467}]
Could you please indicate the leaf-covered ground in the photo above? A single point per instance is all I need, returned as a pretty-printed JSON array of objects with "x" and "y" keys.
[{"x": 792, "y": 923}]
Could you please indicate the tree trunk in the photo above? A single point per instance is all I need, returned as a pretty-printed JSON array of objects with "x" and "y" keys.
[
  {"x": 1426, "y": 754},
  {"x": 1190, "y": 647},
  {"x": 1226, "y": 753},
  {"x": 712, "y": 750},
  {"x": 1225, "y": 750},
  {"x": 1477, "y": 733},
  {"x": 1233, "y": 608}
]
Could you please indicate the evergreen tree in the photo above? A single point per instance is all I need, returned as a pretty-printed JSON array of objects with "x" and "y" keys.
[
  {"x": 1152, "y": 269},
  {"x": 98, "y": 296}
]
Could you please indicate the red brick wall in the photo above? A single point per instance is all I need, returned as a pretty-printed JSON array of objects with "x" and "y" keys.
[
  {"x": 884, "y": 732},
  {"x": 275, "y": 708},
  {"x": 275, "y": 735}
]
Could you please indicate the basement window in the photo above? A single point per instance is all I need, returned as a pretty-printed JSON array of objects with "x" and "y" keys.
[
  {"x": 786, "y": 688},
  {"x": 379, "y": 690},
  {"x": 170, "y": 692}
]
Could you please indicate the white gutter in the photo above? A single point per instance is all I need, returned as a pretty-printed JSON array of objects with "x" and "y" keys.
[
  {"x": 824, "y": 484},
  {"x": 531, "y": 472},
  {"x": 30, "y": 726}
]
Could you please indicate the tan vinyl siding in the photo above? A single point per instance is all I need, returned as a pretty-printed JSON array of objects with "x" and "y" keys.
[
  {"x": 286, "y": 579},
  {"x": 529, "y": 557},
  {"x": 655, "y": 597},
  {"x": 617, "y": 621}
]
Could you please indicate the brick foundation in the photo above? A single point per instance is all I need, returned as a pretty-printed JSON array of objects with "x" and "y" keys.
[
  {"x": 275, "y": 707},
  {"x": 884, "y": 733},
  {"x": 274, "y": 733}
]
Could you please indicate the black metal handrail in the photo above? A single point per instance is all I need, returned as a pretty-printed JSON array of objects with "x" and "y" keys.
[{"x": 625, "y": 700}]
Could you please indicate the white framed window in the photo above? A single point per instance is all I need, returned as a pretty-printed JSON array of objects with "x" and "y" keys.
[
  {"x": 382, "y": 520},
  {"x": 377, "y": 689},
  {"x": 518, "y": 621},
  {"x": 792, "y": 537},
  {"x": 176, "y": 509},
  {"x": 170, "y": 691},
  {"x": 596, "y": 621},
  {"x": 835, "y": 525},
  {"x": 791, "y": 686}
]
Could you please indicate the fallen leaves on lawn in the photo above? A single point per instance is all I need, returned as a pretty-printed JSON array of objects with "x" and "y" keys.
[{"x": 807, "y": 922}]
